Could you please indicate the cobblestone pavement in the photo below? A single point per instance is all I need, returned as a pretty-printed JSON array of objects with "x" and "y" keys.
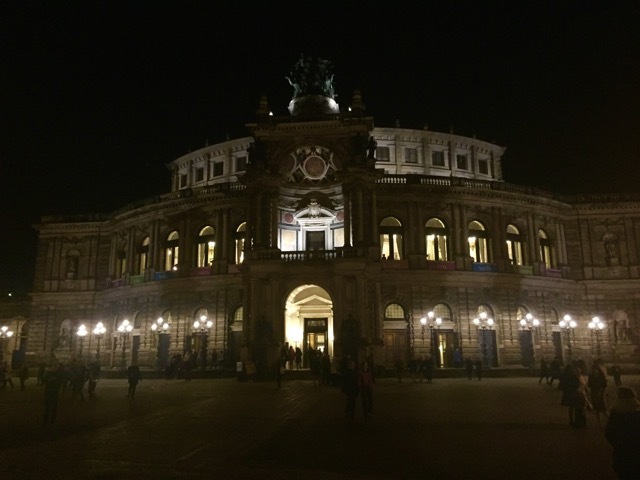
[{"x": 497, "y": 428}]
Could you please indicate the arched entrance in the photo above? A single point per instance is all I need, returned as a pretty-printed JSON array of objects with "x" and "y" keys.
[{"x": 308, "y": 322}]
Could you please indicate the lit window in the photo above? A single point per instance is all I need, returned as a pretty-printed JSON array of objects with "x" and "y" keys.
[
  {"x": 545, "y": 248},
  {"x": 171, "y": 251},
  {"x": 240, "y": 236},
  {"x": 391, "y": 239},
  {"x": 206, "y": 246},
  {"x": 143, "y": 256},
  {"x": 514, "y": 245},
  {"x": 478, "y": 242},
  {"x": 121, "y": 262},
  {"x": 436, "y": 240}
]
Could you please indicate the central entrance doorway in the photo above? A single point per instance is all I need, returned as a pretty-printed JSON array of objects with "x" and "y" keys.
[{"x": 309, "y": 320}]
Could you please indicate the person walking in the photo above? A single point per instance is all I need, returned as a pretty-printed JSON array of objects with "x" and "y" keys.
[
  {"x": 298, "y": 358},
  {"x": 616, "y": 372},
  {"x": 23, "y": 375},
  {"x": 5, "y": 375},
  {"x": 478, "y": 365},
  {"x": 428, "y": 369},
  {"x": 350, "y": 388},
  {"x": 573, "y": 396},
  {"x": 92, "y": 377},
  {"x": 399, "y": 369},
  {"x": 597, "y": 384},
  {"x": 623, "y": 433},
  {"x": 133, "y": 377},
  {"x": 468, "y": 365},
  {"x": 366, "y": 383},
  {"x": 555, "y": 371},
  {"x": 544, "y": 371},
  {"x": 52, "y": 381}
]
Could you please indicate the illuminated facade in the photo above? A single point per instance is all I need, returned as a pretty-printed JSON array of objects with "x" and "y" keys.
[{"x": 308, "y": 232}]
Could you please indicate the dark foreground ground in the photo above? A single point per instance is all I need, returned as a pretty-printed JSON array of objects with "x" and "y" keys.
[{"x": 499, "y": 428}]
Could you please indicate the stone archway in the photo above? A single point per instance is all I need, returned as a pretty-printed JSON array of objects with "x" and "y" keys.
[{"x": 308, "y": 321}]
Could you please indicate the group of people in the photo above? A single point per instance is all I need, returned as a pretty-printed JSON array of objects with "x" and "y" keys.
[
  {"x": 357, "y": 381},
  {"x": 419, "y": 368},
  {"x": 584, "y": 390}
]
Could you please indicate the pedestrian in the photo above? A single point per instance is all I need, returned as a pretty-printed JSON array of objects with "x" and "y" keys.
[
  {"x": 427, "y": 369},
  {"x": 457, "y": 358},
  {"x": 326, "y": 368},
  {"x": 52, "y": 381},
  {"x": 133, "y": 377},
  {"x": 616, "y": 371},
  {"x": 188, "y": 366},
  {"x": 366, "y": 383},
  {"x": 78, "y": 379},
  {"x": 5, "y": 375},
  {"x": 291, "y": 358},
  {"x": 555, "y": 370},
  {"x": 573, "y": 396},
  {"x": 623, "y": 433},
  {"x": 315, "y": 365},
  {"x": 468, "y": 364},
  {"x": 399, "y": 369},
  {"x": 413, "y": 368},
  {"x": 544, "y": 371},
  {"x": 23, "y": 375},
  {"x": 478, "y": 365},
  {"x": 350, "y": 388},
  {"x": 94, "y": 374},
  {"x": 597, "y": 384},
  {"x": 298, "y": 358}
]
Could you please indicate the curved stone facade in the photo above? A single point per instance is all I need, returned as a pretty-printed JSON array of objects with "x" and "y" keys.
[{"x": 307, "y": 233}]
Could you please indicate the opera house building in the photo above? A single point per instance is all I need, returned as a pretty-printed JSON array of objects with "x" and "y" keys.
[{"x": 320, "y": 230}]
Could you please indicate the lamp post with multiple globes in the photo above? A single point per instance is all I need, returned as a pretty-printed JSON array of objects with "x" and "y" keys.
[
  {"x": 124, "y": 329},
  {"x": 596, "y": 326},
  {"x": 161, "y": 329},
  {"x": 568, "y": 326},
  {"x": 484, "y": 323},
  {"x": 201, "y": 327},
  {"x": 529, "y": 324},
  {"x": 98, "y": 331},
  {"x": 81, "y": 333}
]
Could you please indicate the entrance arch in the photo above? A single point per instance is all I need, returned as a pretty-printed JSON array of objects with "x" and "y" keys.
[{"x": 308, "y": 321}]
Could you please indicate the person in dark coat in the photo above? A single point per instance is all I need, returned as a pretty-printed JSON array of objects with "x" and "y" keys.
[
  {"x": 134, "y": 377},
  {"x": 623, "y": 433},
  {"x": 555, "y": 371},
  {"x": 616, "y": 372},
  {"x": 570, "y": 387},
  {"x": 468, "y": 364},
  {"x": 478, "y": 365},
  {"x": 366, "y": 383},
  {"x": 23, "y": 375},
  {"x": 350, "y": 388},
  {"x": 52, "y": 381},
  {"x": 544, "y": 371},
  {"x": 597, "y": 384}
]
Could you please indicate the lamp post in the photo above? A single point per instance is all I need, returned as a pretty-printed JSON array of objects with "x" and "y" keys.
[
  {"x": 434, "y": 324},
  {"x": 161, "y": 329},
  {"x": 568, "y": 325},
  {"x": 5, "y": 334},
  {"x": 528, "y": 324},
  {"x": 125, "y": 329},
  {"x": 483, "y": 323},
  {"x": 596, "y": 325},
  {"x": 98, "y": 332},
  {"x": 202, "y": 327},
  {"x": 81, "y": 333}
]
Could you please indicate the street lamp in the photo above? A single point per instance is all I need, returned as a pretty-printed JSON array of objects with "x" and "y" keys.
[
  {"x": 5, "y": 334},
  {"x": 81, "y": 333},
  {"x": 125, "y": 329},
  {"x": 483, "y": 323},
  {"x": 202, "y": 327},
  {"x": 528, "y": 324},
  {"x": 161, "y": 329},
  {"x": 568, "y": 325},
  {"x": 596, "y": 325},
  {"x": 434, "y": 324},
  {"x": 99, "y": 332}
]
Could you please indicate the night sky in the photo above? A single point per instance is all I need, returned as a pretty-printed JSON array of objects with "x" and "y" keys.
[{"x": 98, "y": 96}]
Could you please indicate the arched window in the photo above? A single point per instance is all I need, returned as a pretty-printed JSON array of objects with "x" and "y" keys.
[
  {"x": 514, "y": 245},
  {"x": 121, "y": 260},
  {"x": 206, "y": 246},
  {"x": 545, "y": 248},
  {"x": 442, "y": 311},
  {"x": 143, "y": 256},
  {"x": 240, "y": 236},
  {"x": 394, "y": 311},
  {"x": 478, "y": 249},
  {"x": 436, "y": 240},
  {"x": 171, "y": 251},
  {"x": 391, "y": 238}
]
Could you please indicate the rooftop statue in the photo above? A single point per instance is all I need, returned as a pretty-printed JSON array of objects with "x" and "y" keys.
[{"x": 312, "y": 76}]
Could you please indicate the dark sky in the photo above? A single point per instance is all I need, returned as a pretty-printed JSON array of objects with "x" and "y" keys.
[{"x": 98, "y": 96}]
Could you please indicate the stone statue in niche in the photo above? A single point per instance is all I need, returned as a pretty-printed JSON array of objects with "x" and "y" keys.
[
  {"x": 611, "y": 248},
  {"x": 371, "y": 148}
]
